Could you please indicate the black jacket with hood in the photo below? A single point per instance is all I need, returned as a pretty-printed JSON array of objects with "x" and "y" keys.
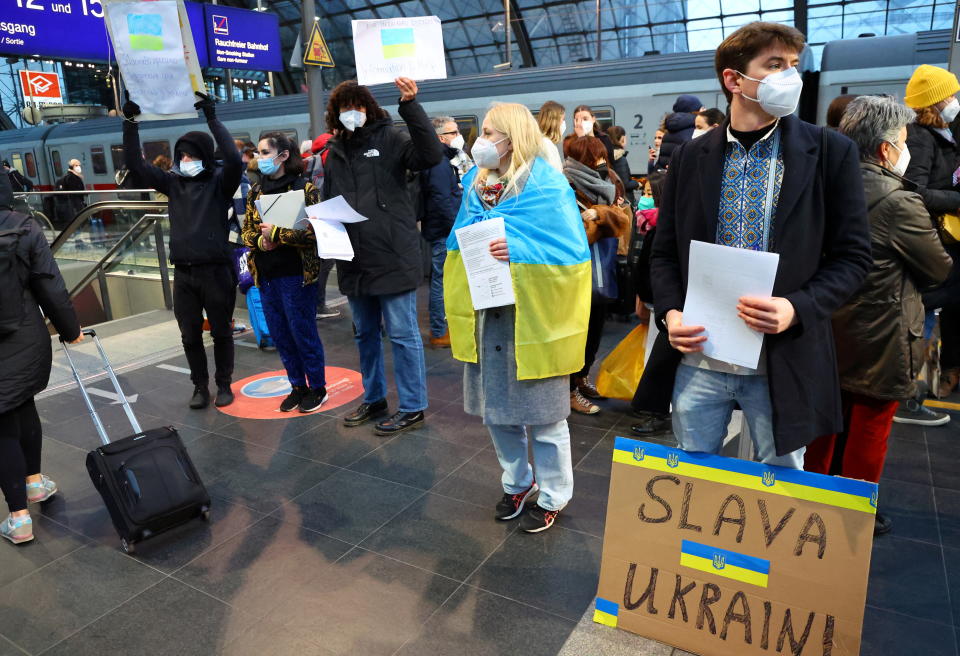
[
  {"x": 369, "y": 169},
  {"x": 26, "y": 353},
  {"x": 198, "y": 206},
  {"x": 680, "y": 126}
]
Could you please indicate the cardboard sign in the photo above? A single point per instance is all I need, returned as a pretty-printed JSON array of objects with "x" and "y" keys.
[
  {"x": 399, "y": 47},
  {"x": 40, "y": 88},
  {"x": 721, "y": 556}
]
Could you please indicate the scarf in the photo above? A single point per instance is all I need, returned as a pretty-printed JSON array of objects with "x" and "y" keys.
[{"x": 589, "y": 183}]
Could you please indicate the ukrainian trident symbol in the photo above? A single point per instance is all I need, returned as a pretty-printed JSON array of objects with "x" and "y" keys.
[
  {"x": 769, "y": 478},
  {"x": 639, "y": 453},
  {"x": 673, "y": 459},
  {"x": 873, "y": 499},
  {"x": 719, "y": 561}
]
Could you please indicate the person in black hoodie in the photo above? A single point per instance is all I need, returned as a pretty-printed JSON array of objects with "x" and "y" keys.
[
  {"x": 32, "y": 284},
  {"x": 201, "y": 192},
  {"x": 367, "y": 164},
  {"x": 680, "y": 126}
]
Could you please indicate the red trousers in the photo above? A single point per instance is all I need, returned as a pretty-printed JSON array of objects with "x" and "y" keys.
[{"x": 863, "y": 442}]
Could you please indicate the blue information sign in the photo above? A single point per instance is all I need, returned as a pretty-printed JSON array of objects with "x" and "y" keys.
[
  {"x": 241, "y": 39},
  {"x": 74, "y": 30}
]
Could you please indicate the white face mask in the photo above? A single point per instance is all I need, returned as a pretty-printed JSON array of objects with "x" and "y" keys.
[
  {"x": 485, "y": 153},
  {"x": 950, "y": 112},
  {"x": 76, "y": 169},
  {"x": 900, "y": 168},
  {"x": 563, "y": 128},
  {"x": 587, "y": 128},
  {"x": 191, "y": 169},
  {"x": 353, "y": 119},
  {"x": 699, "y": 133},
  {"x": 779, "y": 93},
  {"x": 457, "y": 142}
]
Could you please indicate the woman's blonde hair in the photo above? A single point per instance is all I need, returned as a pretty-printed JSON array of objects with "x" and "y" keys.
[
  {"x": 549, "y": 119},
  {"x": 517, "y": 123}
]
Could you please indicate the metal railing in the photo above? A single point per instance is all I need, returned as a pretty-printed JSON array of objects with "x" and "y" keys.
[{"x": 88, "y": 212}]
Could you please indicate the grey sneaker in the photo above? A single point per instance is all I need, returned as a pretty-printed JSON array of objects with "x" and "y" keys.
[
  {"x": 40, "y": 492},
  {"x": 17, "y": 530},
  {"x": 912, "y": 412},
  {"x": 327, "y": 312}
]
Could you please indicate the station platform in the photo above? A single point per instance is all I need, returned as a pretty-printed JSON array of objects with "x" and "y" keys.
[{"x": 330, "y": 540}]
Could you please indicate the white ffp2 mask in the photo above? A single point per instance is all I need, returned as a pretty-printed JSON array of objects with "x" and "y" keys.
[
  {"x": 484, "y": 153},
  {"x": 353, "y": 119},
  {"x": 779, "y": 93}
]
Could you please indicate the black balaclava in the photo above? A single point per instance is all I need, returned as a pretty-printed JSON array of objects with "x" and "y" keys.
[{"x": 198, "y": 145}]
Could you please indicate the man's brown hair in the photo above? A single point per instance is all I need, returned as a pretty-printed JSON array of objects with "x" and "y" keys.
[{"x": 739, "y": 48}]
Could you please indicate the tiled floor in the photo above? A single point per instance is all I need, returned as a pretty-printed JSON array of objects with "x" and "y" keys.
[{"x": 327, "y": 540}]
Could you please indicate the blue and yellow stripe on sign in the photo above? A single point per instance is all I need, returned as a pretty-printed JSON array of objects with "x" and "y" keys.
[
  {"x": 606, "y": 612},
  {"x": 397, "y": 42},
  {"x": 729, "y": 564},
  {"x": 830, "y": 490}
]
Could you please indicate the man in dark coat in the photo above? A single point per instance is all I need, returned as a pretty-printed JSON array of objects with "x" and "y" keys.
[
  {"x": 201, "y": 191},
  {"x": 812, "y": 213},
  {"x": 440, "y": 201},
  {"x": 367, "y": 164},
  {"x": 17, "y": 180},
  {"x": 680, "y": 126}
]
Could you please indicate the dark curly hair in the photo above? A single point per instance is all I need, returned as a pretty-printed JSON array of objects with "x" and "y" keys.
[
  {"x": 280, "y": 141},
  {"x": 351, "y": 94}
]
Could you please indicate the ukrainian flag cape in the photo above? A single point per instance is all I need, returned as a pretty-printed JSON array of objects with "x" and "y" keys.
[{"x": 550, "y": 269}]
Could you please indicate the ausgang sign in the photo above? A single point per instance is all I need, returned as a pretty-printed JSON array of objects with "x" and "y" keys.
[{"x": 727, "y": 557}]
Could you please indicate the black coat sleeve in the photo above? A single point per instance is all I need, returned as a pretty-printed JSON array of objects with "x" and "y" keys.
[
  {"x": 423, "y": 149},
  {"x": 923, "y": 153},
  {"x": 846, "y": 257},
  {"x": 146, "y": 174},
  {"x": 232, "y": 161},
  {"x": 48, "y": 287},
  {"x": 665, "y": 272},
  {"x": 622, "y": 168},
  {"x": 438, "y": 182}
]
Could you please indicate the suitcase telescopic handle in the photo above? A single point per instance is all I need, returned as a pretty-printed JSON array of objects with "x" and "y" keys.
[{"x": 107, "y": 367}]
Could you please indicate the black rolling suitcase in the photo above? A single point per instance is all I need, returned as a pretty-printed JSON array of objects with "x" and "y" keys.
[{"x": 147, "y": 480}]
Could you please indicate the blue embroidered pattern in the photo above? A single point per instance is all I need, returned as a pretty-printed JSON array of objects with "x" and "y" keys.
[{"x": 744, "y": 220}]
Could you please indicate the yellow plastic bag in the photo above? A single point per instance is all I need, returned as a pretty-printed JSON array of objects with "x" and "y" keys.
[{"x": 621, "y": 370}]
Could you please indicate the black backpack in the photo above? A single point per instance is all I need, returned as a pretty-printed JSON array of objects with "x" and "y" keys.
[{"x": 13, "y": 273}]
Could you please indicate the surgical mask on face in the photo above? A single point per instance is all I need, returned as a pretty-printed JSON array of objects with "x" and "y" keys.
[
  {"x": 77, "y": 169},
  {"x": 950, "y": 112},
  {"x": 587, "y": 127},
  {"x": 779, "y": 93},
  {"x": 457, "y": 142},
  {"x": 485, "y": 153},
  {"x": 699, "y": 133},
  {"x": 900, "y": 168},
  {"x": 267, "y": 165},
  {"x": 645, "y": 203},
  {"x": 563, "y": 128},
  {"x": 191, "y": 169},
  {"x": 353, "y": 119}
]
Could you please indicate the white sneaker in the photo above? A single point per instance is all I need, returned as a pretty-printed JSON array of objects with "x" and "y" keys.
[
  {"x": 40, "y": 492},
  {"x": 17, "y": 529}
]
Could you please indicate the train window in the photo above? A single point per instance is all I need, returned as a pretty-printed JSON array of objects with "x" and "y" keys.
[
  {"x": 17, "y": 161},
  {"x": 31, "y": 165},
  {"x": 98, "y": 159},
  {"x": 57, "y": 163},
  {"x": 605, "y": 116},
  {"x": 469, "y": 128},
  {"x": 116, "y": 156},
  {"x": 242, "y": 136},
  {"x": 151, "y": 149},
  {"x": 289, "y": 133}
]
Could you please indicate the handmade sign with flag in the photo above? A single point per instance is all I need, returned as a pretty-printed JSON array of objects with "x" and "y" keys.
[{"x": 549, "y": 267}]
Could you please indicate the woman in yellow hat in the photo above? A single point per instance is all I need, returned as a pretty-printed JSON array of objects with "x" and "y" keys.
[{"x": 934, "y": 158}]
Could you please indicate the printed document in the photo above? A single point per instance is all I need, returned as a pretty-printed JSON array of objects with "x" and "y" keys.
[
  {"x": 282, "y": 210},
  {"x": 488, "y": 278},
  {"x": 718, "y": 276},
  {"x": 333, "y": 242},
  {"x": 335, "y": 209}
]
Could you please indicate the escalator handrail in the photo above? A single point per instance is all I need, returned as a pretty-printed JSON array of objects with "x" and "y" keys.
[
  {"x": 133, "y": 234},
  {"x": 90, "y": 210}
]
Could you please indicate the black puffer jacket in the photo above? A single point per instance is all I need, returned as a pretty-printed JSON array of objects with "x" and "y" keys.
[
  {"x": 679, "y": 131},
  {"x": 26, "y": 353},
  {"x": 199, "y": 232},
  {"x": 369, "y": 169}
]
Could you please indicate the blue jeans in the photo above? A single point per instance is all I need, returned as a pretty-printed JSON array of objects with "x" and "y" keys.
[
  {"x": 290, "y": 309},
  {"x": 551, "y": 457},
  {"x": 399, "y": 315},
  {"x": 703, "y": 402},
  {"x": 438, "y": 316}
]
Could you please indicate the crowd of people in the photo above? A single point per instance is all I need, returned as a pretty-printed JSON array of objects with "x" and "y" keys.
[{"x": 863, "y": 214}]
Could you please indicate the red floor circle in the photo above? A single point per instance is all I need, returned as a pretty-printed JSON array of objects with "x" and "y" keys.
[{"x": 259, "y": 396}]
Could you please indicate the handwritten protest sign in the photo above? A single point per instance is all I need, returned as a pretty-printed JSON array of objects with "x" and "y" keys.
[
  {"x": 149, "y": 45},
  {"x": 399, "y": 47},
  {"x": 721, "y": 556}
]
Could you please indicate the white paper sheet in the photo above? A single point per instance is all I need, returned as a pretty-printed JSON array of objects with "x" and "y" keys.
[
  {"x": 335, "y": 209},
  {"x": 488, "y": 278},
  {"x": 399, "y": 47},
  {"x": 718, "y": 276},
  {"x": 283, "y": 210},
  {"x": 333, "y": 242}
]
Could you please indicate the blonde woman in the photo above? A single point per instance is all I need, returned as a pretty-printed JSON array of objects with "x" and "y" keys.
[
  {"x": 552, "y": 123},
  {"x": 518, "y": 357}
]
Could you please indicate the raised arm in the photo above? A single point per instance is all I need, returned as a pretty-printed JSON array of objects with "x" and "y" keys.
[
  {"x": 423, "y": 149},
  {"x": 145, "y": 174},
  {"x": 232, "y": 161}
]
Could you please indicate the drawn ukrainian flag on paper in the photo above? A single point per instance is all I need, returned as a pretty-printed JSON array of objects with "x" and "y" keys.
[
  {"x": 397, "y": 42},
  {"x": 146, "y": 31},
  {"x": 729, "y": 564},
  {"x": 606, "y": 612}
]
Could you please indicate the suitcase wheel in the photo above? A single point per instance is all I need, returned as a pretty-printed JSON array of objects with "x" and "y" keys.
[{"x": 128, "y": 547}]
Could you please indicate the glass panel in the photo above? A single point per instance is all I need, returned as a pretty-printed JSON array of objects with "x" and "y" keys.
[
  {"x": 30, "y": 165},
  {"x": 785, "y": 17},
  {"x": 116, "y": 156},
  {"x": 470, "y": 129},
  {"x": 153, "y": 149},
  {"x": 17, "y": 160},
  {"x": 703, "y": 8},
  {"x": 775, "y": 4},
  {"x": 942, "y": 16},
  {"x": 57, "y": 163},
  {"x": 704, "y": 34},
  {"x": 740, "y": 6},
  {"x": 98, "y": 159},
  {"x": 907, "y": 22}
]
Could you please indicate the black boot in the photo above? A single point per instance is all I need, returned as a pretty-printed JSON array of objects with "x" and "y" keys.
[
  {"x": 224, "y": 396},
  {"x": 651, "y": 424},
  {"x": 882, "y": 524},
  {"x": 399, "y": 422},
  {"x": 201, "y": 397},
  {"x": 366, "y": 412}
]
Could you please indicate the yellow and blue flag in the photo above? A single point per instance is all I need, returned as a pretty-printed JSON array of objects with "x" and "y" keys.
[
  {"x": 606, "y": 612},
  {"x": 725, "y": 563},
  {"x": 397, "y": 42},
  {"x": 549, "y": 267}
]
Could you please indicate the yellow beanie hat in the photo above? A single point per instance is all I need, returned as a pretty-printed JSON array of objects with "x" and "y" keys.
[{"x": 929, "y": 85}]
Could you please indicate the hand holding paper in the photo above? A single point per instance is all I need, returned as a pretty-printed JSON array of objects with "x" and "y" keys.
[
  {"x": 483, "y": 247},
  {"x": 499, "y": 249},
  {"x": 767, "y": 315},
  {"x": 686, "y": 339}
]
